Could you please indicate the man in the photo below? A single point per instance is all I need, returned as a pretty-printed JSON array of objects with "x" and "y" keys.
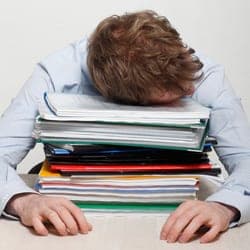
[{"x": 136, "y": 58}]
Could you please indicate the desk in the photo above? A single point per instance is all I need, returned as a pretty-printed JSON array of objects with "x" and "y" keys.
[{"x": 114, "y": 232}]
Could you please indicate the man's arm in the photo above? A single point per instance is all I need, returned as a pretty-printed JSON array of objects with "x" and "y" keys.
[
  {"x": 16, "y": 125},
  {"x": 229, "y": 124},
  {"x": 16, "y": 199},
  {"x": 231, "y": 203}
]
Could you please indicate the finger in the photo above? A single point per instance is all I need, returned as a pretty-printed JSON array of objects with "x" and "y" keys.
[
  {"x": 56, "y": 221},
  {"x": 187, "y": 206},
  {"x": 166, "y": 227},
  {"x": 80, "y": 219},
  {"x": 171, "y": 220},
  {"x": 192, "y": 228},
  {"x": 39, "y": 226},
  {"x": 180, "y": 224},
  {"x": 210, "y": 235},
  {"x": 68, "y": 219}
]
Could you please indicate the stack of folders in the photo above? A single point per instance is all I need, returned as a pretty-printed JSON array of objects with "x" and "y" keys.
[{"x": 110, "y": 157}]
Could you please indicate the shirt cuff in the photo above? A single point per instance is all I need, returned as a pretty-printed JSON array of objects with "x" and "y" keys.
[
  {"x": 9, "y": 216},
  {"x": 236, "y": 199}
]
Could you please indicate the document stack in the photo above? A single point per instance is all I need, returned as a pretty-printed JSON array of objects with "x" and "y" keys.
[{"x": 110, "y": 157}]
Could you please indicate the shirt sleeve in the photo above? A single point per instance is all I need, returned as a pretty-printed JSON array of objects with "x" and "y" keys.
[
  {"x": 64, "y": 70},
  {"x": 228, "y": 123},
  {"x": 16, "y": 125}
]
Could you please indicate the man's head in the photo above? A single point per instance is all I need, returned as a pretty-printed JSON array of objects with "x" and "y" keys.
[{"x": 139, "y": 58}]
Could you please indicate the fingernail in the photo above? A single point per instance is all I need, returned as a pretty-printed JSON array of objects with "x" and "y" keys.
[
  {"x": 170, "y": 240},
  {"x": 163, "y": 234},
  {"x": 90, "y": 227},
  {"x": 181, "y": 240},
  {"x": 85, "y": 232}
]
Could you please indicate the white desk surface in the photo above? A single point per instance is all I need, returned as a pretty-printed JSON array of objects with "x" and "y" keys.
[{"x": 115, "y": 232}]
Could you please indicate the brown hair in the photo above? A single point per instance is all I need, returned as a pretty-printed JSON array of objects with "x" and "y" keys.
[{"x": 131, "y": 55}]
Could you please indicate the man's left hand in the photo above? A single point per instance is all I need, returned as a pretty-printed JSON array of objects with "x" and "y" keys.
[{"x": 182, "y": 225}]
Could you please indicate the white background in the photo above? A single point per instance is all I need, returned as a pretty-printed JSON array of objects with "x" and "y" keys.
[{"x": 30, "y": 30}]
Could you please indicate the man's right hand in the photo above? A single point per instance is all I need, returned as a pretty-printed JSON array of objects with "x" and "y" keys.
[{"x": 38, "y": 211}]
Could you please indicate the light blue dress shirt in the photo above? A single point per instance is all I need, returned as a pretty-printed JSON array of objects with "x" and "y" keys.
[{"x": 66, "y": 71}]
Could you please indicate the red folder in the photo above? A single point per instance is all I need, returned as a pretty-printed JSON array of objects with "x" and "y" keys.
[{"x": 124, "y": 168}]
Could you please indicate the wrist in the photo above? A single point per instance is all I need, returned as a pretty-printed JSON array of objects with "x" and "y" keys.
[
  {"x": 232, "y": 212},
  {"x": 15, "y": 205}
]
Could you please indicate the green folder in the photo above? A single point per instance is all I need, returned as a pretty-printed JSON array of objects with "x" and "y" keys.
[{"x": 128, "y": 207}]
